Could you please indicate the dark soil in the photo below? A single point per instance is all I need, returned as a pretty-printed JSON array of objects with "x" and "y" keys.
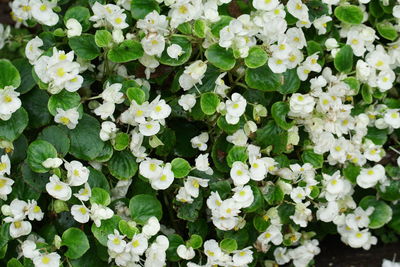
[{"x": 5, "y": 12}]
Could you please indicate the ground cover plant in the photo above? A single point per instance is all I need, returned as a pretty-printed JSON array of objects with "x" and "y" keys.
[{"x": 197, "y": 133}]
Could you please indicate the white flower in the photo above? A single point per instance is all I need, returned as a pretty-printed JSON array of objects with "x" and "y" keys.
[
  {"x": 159, "y": 109},
  {"x": 150, "y": 169},
  {"x": 243, "y": 196},
  {"x": 52, "y": 163},
  {"x": 153, "y": 44},
  {"x": 9, "y": 102},
  {"x": 74, "y": 28},
  {"x": 186, "y": 253},
  {"x": 43, "y": 12},
  {"x": 235, "y": 108},
  {"x": 20, "y": 228},
  {"x": 80, "y": 213},
  {"x": 164, "y": 180},
  {"x": 152, "y": 227},
  {"x": 238, "y": 138},
  {"x": 266, "y": 5},
  {"x": 112, "y": 93},
  {"x": 47, "y": 260},
  {"x": 321, "y": 23},
  {"x": 5, "y": 165},
  {"x": 192, "y": 185},
  {"x": 363, "y": 238},
  {"x": 4, "y": 34},
  {"x": 187, "y": 101},
  {"x": 153, "y": 22},
  {"x": 77, "y": 174},
  {"x": 301, "y": 105},
  {"x": 138, "y": 245},
  {"x": 212, "y": 250},
  {"x": 192, "y": 74},
  {"x": 58, "y": 189},
  {"x": 369, "y": 177},
  {"x": 108, "y": 130},
  {"x": 200, "y": 141},
  {"x": 298, "y": 194},
  {"x": 116, "y": 242},
  {"x": 174, "y": 51},
  {"x": 99, "y": 213},
  {"x": 29, "y": 249},
  {"x": 34, "y": 212},
  {"x": 392, "y": 118},
  {"x": 203, "y": 165},
  {"x": 84, "y": 194},
  {"x": 242, "y": 257},
  {"x": 32, "y": 50},
  {"x": 240, "y": 173},
  {"x": 272, "y": 234},
  {"x": 149, "y": 128},
  {"x": 68, "y": 117}
]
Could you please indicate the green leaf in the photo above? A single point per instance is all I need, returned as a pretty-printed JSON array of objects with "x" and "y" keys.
[
  {"x": 344, "y": 59},
  {"x": 103, "y": 38},
  {"x": 81, "y": 14},
  {"x": 185, "y": 28},
  {"x": 140, "y": 8},
  {"x": 186, "y": 45},
  {"x": 123, "y": 165},
  {"x": 273, "y": 195},
  {"x": 291, "y": 82},
  {"x": 57, "y": 137},
  {"x": 377, "y": 136},
  {"x": 11, "y": 129},
  {"x": 137, "y": 94},
  {"x": 143, "y": 207},
  {"x": 76, "y": 241},
  {"x": 107, "y": 227},
  {"x": 97, "y": 179},
  {"x": 353, "y": 83},
  {"x": 199, "y": 28},
  {"x": 220, "y": 24},
  {"x": 220, "y": 57},
  {"x": 14, "y": 263},
  {"x": 366, "y": 93},
  {"x": 391, "y": 191},
  {"x": 273, "y": 135},
  {"x": 387, "y": 30},
  {"x": 237, "y": 153},
  {"x": 127, "y": 229},
  {"x": 309, "y": 156},
  {"x": 351, "y": 172},
  {"x": 100, "y": 196},
  {"x": 209, "y": 103},
  {"x": 222, "y": 187},
  {"x": 126, "y": 51},
  {"x": 85, "y": 140},
  {"x": 279, "y": 111},
  {"x": 180, "y": 167},
  {"x": 39, "y": 151},
  {"x": 121, "y": 141},
  {"x": 257, "y": 57},
  {"x": 195, "y": 241},
  {"x": 395, "y": 222},
  {"x": 260, "y": 223},
  {"x": 382, "y": 212},
  {"x": 349, "y": 14},
  {"x": 316, "y": 9},
  {"x": 35, "y": 103},
  {"x": 9, "y": 75},
  {"x": 64, "y": 100},
  {"x": 263, "y": 79},
  {"x": 228, "y": 245},
  {"x": 84, "y": 46},
  {"x": 25, "y": 71}
]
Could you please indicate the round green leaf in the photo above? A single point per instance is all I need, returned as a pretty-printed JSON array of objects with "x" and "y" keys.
[
  {"x": 84, "y": 46},
  {"x": 25, "y": 71},
  {"x": 257, "y": 57},
  {"x": 121, "y": 141},
  {"x": 100, "y": 196},
  {"x": 291, "y": 82},
  {"x": 237, "y": 153},
  {"x": 390, "y": 192},
  {"x": 126, "y": 51},
  {"x": 199, "y": 28},
  {"x": 103, "y": 38},
  {"x": 195, "y": 241},
  {"x": 76, "y": 241},
  {"x": 344, "y": 59},
  {"x": 97, "y": 179},
  {"x": 387, "y": 30},
  {"x": 220, "y": 57},
  {"x": 186, "y": 49},
  {"x": 260, "y": 223},
  {"x": 64, "y": 100},
  {"x": 136, "y": 94},
  {"x": 85, "y": 140},
  {"x": 228, "y": 245},
  {"x": 263, "y": 79},
  {"x": 140, "y": 8},
  {"x": 180, "y": 167},
  {"x": 349, "y": 14},
  {"x": 209, "y": 103},
  {"x": 143, "y": 207},
  {"x": 127, "y": 229},
  {"x": 39, "y": 151},
  {"x": 258, "y": 201},
  {"x": 382, "y": 212},
  {"x": 174, "y": 242},
  {"x": 9, "y": 75},
  {"x": 57, "y": 137},
  {"x": 122, "y": 165},
  {"x": 12, "y": 128},
  {"x": 35, "y": 103},
  {"x": 309, "y": 156}
]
